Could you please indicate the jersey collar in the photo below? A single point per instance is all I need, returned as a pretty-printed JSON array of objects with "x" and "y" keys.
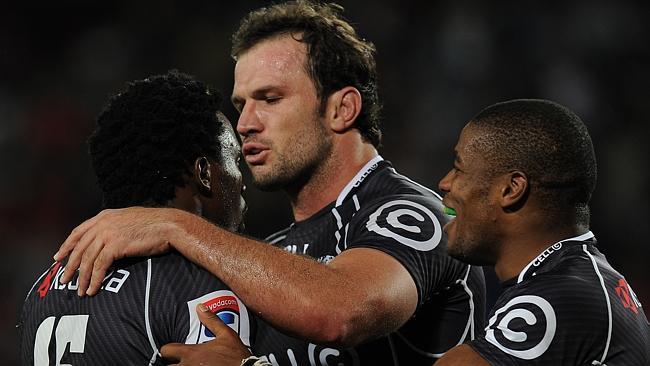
[
  {"x": 535, "y": 263},
  {"x": 358, "y": 178}
]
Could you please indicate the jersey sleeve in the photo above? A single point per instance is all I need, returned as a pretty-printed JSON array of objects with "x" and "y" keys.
[
  {"x": 178, "y": 286},
  {"x": 409, "y": 228},
  {"x": 550, "y": 321}
]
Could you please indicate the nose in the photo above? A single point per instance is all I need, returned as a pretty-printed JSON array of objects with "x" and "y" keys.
[
  {"x": 249, "y": 121},
  {"x": 445, "y": 183}
]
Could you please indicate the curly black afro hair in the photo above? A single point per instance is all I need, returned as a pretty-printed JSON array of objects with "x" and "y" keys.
[{"x": 149, "y": 135}]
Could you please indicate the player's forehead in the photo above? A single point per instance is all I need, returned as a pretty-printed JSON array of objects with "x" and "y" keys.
[
  {"x": 271, "y": 61},
  {"x": 464, "y": 140},
  {"x": 228, "y": 139},
  {"x": 283, "y": 52},
  {"x": 468, "y": 149}
]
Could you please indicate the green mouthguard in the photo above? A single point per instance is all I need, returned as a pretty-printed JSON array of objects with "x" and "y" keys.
[{"x": 449, "y": 211}]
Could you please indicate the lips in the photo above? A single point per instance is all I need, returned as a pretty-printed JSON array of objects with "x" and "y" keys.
[
  {"x": 451, "y": 212},
  {"x": 254, "y": 152}
]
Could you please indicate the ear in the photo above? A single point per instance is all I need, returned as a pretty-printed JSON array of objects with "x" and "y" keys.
[
  {"x": 203, "y": 175},
  {"x": 514, "y": 191},
  {"x": 343, "y": 108}
]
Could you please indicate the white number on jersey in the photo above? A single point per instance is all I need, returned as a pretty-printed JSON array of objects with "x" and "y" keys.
[{"x": 71, "y": 329}]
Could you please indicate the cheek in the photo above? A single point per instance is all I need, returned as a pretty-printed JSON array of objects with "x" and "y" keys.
[
  {"x": 231, "y": 191},
  {"x": 468, "y": 225},
  {"x": 232, "y": 174}
]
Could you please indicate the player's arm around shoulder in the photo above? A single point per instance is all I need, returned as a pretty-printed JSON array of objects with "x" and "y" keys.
[
  {"x": 353, "y": 300},
  {"x": 387, "y": 241},
  {"x": 381, "y": 296}
]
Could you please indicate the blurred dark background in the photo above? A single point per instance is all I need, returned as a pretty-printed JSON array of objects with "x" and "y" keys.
[{"x": 439, "y": 64}]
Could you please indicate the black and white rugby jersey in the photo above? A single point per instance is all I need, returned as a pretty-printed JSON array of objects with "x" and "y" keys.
[
  {"x": 384, "y": 210},
  {"x": 144, "y": 304},
  {"x": 567, "y": 307}
]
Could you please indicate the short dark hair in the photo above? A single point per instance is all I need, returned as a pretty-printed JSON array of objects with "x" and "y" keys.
[
  {"x": 547, "y": 142},
  {"x": 336, "y": 56},
  {"x": 148, "y": 135}
]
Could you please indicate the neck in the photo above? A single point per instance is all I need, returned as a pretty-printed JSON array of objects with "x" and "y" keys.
[
  {"x": 329, "y": 179},
  {"x": 521, "y": 247}
]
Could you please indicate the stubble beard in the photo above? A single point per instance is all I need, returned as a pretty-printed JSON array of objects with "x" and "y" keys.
[
  {"x": 298, "y": 161},
  {"x": 471, "y": 252},
  {"x": 479, "y": 248}
]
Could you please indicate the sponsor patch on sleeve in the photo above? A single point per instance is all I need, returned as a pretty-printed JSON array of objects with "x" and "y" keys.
[
  {"x": 407, "y": 222},
  {"x": 227, "y": 306},
  {"x": 524, "y": 327}
]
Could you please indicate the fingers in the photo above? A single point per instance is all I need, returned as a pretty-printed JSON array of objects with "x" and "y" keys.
[
  {"x": 71, "y": 241},
  {"x": 174, "y": 352},
  {"x": 101, "y": 265},
  {"x": 214, "y": 323},
  {"x": 92, "y": 257},
  {"x": 86, "y": 265},
  {"x": 94, "y": 245},
  {"x": 76, "y": 256},
  {"x": 226, "y": 349}
]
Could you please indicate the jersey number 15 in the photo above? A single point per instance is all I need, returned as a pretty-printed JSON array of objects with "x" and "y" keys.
[{"x": 70, "y": 329}]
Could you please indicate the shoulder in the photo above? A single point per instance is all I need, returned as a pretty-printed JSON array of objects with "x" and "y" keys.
[
  {"x": 560, "y": 293},
  {"x": 393, "y": 191},
  {"x": 545, "y": 308},
  {"x": 389, "y": 182},
  {"x": 177, "y": 286},
  {"x": 278, "y": 236},
  {"x": 172, "y": 270},
  {"x": 414, "y": 220}
]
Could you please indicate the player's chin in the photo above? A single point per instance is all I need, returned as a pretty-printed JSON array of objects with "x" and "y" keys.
[
  {"x": 455, "y": 245},
  {"x": 459, "y": 253},
  {"x": 452, "y": 244},
  {"x": 466, "y": 252},
  {"x": 450, "y": 229},
  {"x": 454, "y": 251}
]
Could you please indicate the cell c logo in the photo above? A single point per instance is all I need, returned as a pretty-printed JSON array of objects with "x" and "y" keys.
[
  {"x": 537, "y": 313},
  {"x": 401, "y": 218}
]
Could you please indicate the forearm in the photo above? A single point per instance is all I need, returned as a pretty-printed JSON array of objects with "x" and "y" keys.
[{"x": 294, "y": 293}]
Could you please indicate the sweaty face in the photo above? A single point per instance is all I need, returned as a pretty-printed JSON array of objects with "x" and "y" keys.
[
  {"x": 284, "y": 139},
  {"x": 227, "y": 204},
  {"x": 472, "y": 237}
]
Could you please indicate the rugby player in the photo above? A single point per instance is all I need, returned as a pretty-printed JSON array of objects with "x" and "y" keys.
[
  {"x": 162, "y": 142},
  {"x": 521, "y": 183},
  {"x": 520, "y": 187},
  {"x": 362, "y": 275}
]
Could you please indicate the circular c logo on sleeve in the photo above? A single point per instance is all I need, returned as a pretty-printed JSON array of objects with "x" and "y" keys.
[
  {"x": 408, "y": 222},
  {"x": 533, "y": 334}
]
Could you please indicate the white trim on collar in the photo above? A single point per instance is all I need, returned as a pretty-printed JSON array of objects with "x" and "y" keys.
[
  {"x": 586, "y": 236},
  {"x": 361, "y": 175}
]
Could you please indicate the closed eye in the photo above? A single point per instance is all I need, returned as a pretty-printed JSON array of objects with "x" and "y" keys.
[{"x": 272, "y": 100}]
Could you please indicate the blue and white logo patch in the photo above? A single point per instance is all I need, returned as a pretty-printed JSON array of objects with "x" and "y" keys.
[{"x": 227, "y": 307}]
